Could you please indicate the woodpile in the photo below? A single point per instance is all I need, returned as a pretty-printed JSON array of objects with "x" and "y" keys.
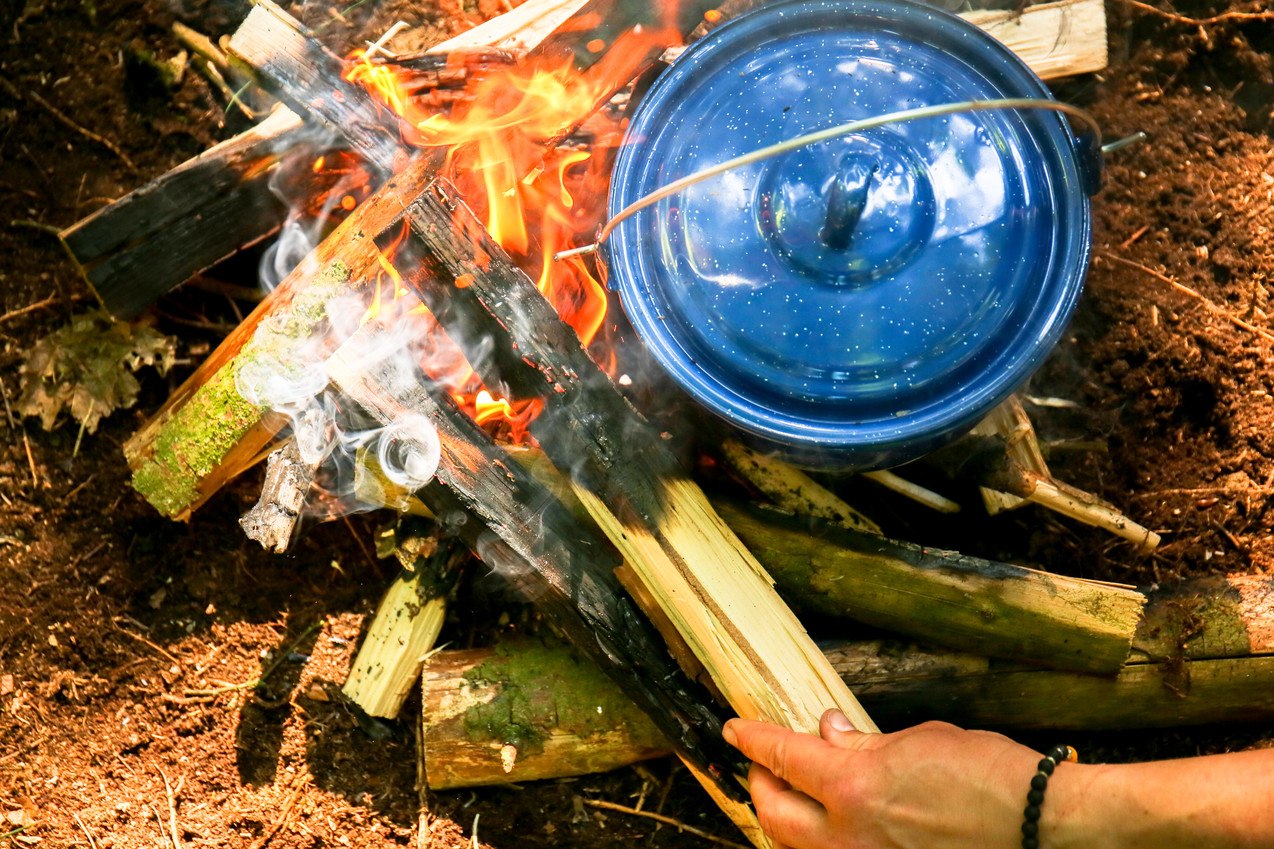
[{"x": 680, "y": 600}]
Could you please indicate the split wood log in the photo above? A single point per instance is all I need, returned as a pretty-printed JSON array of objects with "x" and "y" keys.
[
  {"x": 186, "y": 221},
  {"x": 287, "y": 61},
  {"x": 791, "y": 489},
  {"x": 1209, "y": 677},
  {"x": 711, "y": 588},
  {"x": 521, "y": 531},
  {"x": 208, "y": 432},
  {"x": 938, "y": 597},
  {"x": 406, "y": 625}
]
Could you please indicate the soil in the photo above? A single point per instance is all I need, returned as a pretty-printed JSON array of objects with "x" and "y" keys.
[{"x": 1158, "y": 399}]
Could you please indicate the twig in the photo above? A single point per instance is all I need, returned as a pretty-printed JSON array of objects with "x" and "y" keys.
[
  {"x": 667, "y": 820},
  {"x": 92, "y": 844},
  {"x": 32, "y": 224},
  {"x": 172, "y": 807},
  {"x": 35, "y": 477},
  {"x": 8, "y": 411},
  {"x": 139, "y": 638},
  {"x": 1201, "y": 22},
  {"x": 18, "y": 94},
  {"x": 38, "y": 305},
  {"x": 914, "y": 491},
  {"x": 1186, "y": 290},
  {"x": 258, "y": 681},
  {"x": 284, "y": 816}
]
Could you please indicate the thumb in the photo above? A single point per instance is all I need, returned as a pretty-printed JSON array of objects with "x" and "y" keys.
[{"x": 836, "y": 729}]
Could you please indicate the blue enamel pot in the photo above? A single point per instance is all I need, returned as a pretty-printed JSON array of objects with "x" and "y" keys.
[{"x": 857, "y": 302}]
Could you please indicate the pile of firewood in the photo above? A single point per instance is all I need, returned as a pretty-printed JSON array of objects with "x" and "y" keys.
[{"x": 669, "y": 594}]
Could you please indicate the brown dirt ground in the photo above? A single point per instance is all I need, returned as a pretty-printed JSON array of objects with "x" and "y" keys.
[{"x": 107, "y": 612}]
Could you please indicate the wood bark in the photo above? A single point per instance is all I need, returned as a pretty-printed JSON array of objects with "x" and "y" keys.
[
  {"x": 184, "y": 222},
  {"x": 522, "y": 532},
  {"x": 715, "y": 593},
  {"x": 1208, "y": 657}
]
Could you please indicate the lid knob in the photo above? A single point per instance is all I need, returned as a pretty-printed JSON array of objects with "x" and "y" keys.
[{"x": 846, "y": 200}]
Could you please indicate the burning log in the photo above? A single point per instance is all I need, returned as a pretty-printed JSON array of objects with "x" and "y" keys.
[
  {"x": 750, "y": 643},
  {"x": 519, "y": 529},
  {"x": 155, "y": 238}
]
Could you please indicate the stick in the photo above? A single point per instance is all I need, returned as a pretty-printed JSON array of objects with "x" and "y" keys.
[
  {"x": 791, "y": 489},
  {"x": 666, "y": 820},
  {"x": 1011, "y": 423},
  {"x": 402, "y": 634},
  {"x": 272, "y": 520},
  {"x": 914, "y": 491}
]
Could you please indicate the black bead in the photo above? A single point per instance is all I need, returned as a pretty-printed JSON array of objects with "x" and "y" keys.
[
  {"x": 1035, "y": 797},
  {"x": 1046, "y": 766},
  {"x": 1060, "y": 753},
  {"x": 1032, "y": 813},
  {"x": 1030, "y": 828},
  {"x": 1039, "y": 781},
  {"x": 1030, "y": 843}
]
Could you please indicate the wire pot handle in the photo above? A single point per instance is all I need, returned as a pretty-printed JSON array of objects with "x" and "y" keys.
[{"x": 817, "y": 136}]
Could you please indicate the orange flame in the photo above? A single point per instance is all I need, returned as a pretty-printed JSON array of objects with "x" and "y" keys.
[{"x": 537, "y": 197}]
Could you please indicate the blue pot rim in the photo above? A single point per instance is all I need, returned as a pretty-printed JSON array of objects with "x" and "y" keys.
[{"x": 882, "y": 440}]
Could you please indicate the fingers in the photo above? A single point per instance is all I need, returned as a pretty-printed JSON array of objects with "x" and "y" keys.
[
  {"x": 786, "y": 815},
  {"x": 802, "y": 760}
]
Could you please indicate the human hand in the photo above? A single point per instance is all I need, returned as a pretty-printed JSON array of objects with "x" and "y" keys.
[{"x": 933, "y": 786}]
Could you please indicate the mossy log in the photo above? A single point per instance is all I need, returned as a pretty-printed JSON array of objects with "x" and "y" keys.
[
  {"x": 942, "y": 597},
  {"x": 207, "y": 432},
  {"x": 491, "y": 716}
]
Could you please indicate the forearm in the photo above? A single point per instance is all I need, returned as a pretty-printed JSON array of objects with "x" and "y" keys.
[{"x": 1219, "y": 802}]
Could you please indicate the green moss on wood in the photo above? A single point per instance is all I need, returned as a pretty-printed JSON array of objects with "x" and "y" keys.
[
  {"x": 199, "y": 435},
  {"x": 545, "y": 688}
]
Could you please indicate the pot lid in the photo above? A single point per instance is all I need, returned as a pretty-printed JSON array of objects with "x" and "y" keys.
[{"x": 875, "y": 288}]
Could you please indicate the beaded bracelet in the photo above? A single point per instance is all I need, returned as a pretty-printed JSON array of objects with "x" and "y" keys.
[{"x": 1035, "y": 798}]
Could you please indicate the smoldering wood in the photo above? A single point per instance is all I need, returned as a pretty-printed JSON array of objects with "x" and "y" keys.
[
  {"x": 751, "y": 644},
  {"x": 184, "y": 222},
  {"x": 286, "y": 60},
  {"x": 521, "y": 531},
  {"x": 207, "y": 432},
  {"x": 273, "y": 519}
]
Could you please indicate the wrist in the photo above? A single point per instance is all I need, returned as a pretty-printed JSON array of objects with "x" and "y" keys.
[{"x": 1077, "y": 811}]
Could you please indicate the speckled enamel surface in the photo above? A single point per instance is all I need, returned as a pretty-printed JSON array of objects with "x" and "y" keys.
[{"x": 867, "y": 296}]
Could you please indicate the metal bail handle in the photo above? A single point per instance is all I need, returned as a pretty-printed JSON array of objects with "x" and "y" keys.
[{"x": 838, "y": 231}]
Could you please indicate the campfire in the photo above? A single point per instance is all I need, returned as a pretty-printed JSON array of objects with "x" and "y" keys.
[{"x": 432, "y": 353}]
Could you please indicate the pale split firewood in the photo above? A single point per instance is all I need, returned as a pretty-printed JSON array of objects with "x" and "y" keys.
[
  {"x": 1058, "y": 39},
  {"x": 1010, "y": 422},
  {"x": 909, "y": 489},
  {"x": 518, "y": 30},
  {"x": 792, "y": 489},
  {"x": 938, "y": 597},
  {"x": 716, "y": 594},
  {"x": 521, "y": 531},
  {"x": 407, "y": 622}
]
